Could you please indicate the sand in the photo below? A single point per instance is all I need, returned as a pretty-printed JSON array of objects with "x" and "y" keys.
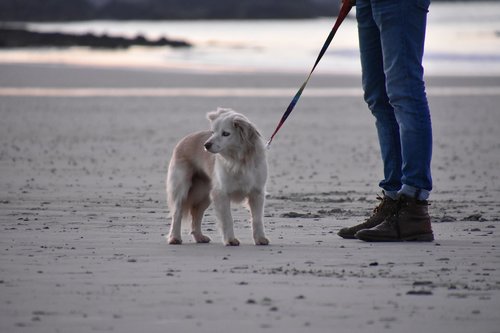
[{"x": 83, "y": 214}]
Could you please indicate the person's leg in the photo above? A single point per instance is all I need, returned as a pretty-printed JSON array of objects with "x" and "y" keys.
[
  {"x": 373, "y": 80},
  {"x": 402, "y": 25},
  {"x": 375, "y": 95}
]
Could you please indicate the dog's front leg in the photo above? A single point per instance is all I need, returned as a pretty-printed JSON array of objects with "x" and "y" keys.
[
  {"x": 256, "y": 204},
  {"x": 222, "y": 205}
]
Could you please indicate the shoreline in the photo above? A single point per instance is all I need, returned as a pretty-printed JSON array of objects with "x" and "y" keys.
[
  {"x": 140, "y": 60},
  {"x": 13, "y": 61}
]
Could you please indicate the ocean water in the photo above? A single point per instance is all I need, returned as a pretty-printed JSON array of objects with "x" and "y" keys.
[{"x": 462, "y": 39}]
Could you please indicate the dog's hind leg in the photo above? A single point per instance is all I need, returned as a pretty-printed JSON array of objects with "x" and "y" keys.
[
  {"x": 174, "y": 237},
  {"x": 197, "y": 215},
  {"x": 256, "y": 204},
  {"x": 177, "y": 192}
]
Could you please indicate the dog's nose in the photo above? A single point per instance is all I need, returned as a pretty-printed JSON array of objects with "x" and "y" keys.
[{"x": 208, "y": 145}]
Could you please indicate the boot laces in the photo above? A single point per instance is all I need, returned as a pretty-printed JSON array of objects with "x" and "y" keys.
[
  {"x": 393, "y": 220},
  {"x": 380, "y": 205}
]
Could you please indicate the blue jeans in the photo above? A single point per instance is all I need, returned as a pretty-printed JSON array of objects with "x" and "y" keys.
[{"x": 391, "y": 38}]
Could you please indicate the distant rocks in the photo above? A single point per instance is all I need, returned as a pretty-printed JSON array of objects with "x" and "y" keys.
[{"x": 11, "y": 37}]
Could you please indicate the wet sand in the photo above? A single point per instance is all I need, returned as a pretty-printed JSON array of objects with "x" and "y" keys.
[{"x": 83, "y": 214}]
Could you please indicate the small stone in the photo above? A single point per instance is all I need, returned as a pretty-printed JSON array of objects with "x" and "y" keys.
[
  {"x": 448, "y": 218},
  {"x": 419, "y": 292},
  {"x": 266, "y": 301},
  {"x": 423, "y": 283}
]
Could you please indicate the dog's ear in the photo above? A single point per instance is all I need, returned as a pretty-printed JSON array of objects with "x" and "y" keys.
[
  {"x": 247, "y": 131},
  {"x": 212, "y": 115}
]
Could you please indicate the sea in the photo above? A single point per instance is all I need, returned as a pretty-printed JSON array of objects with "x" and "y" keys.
[{"x": 463, "y": 38}]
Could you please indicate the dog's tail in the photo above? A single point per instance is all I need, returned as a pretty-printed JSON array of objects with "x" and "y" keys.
[{"x": 177, "y": 192}]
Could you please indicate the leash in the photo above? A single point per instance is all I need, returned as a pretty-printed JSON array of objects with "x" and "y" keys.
[{"x": 344, "y": 10}]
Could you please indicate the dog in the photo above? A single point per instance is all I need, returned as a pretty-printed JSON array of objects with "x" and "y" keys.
[{"x": 226, "y": 164}]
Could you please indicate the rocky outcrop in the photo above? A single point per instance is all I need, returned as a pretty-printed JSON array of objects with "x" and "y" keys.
[{"x": 16, "y": 37}]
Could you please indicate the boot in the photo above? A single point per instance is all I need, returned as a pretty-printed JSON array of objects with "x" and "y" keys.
[
  {"x": 385, "y": 209},
  {"x": 410, "y": 222}
]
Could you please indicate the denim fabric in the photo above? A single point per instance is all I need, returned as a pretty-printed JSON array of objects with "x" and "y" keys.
[{"x": 391, "y": 38}]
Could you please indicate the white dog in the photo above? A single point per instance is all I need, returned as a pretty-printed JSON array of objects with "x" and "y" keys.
[{"x": 225, "y": 164}]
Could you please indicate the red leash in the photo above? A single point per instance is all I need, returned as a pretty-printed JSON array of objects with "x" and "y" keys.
[{"x": 344, "y": 10}]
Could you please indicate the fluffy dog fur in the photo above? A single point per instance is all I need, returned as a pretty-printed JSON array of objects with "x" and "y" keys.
[{"x": 223, "y": 165}]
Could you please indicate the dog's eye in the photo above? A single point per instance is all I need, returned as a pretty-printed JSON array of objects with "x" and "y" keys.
[{"x": 226, "y": 134}]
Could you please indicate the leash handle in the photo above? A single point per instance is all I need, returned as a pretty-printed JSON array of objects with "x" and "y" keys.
[{"x": 344, "y": 10}]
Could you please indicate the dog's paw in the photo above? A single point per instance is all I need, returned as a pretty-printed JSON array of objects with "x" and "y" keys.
[
  {"x": 232, "y": 242},
  {"x": 199, "y": 238},
  {"x": 261, "y": 241},
  {"x": 174, "y": 241}
]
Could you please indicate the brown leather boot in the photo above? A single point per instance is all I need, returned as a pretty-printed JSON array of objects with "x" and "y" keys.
[
  {"x": 385, "y": 209},
  {"x": 411, "y": 222}
]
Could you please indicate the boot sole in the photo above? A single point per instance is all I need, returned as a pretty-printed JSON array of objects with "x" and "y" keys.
[{"x": 412, "y": 238}]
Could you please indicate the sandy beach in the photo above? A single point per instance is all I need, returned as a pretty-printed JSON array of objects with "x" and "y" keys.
[{"x": 83, "y": 159}]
